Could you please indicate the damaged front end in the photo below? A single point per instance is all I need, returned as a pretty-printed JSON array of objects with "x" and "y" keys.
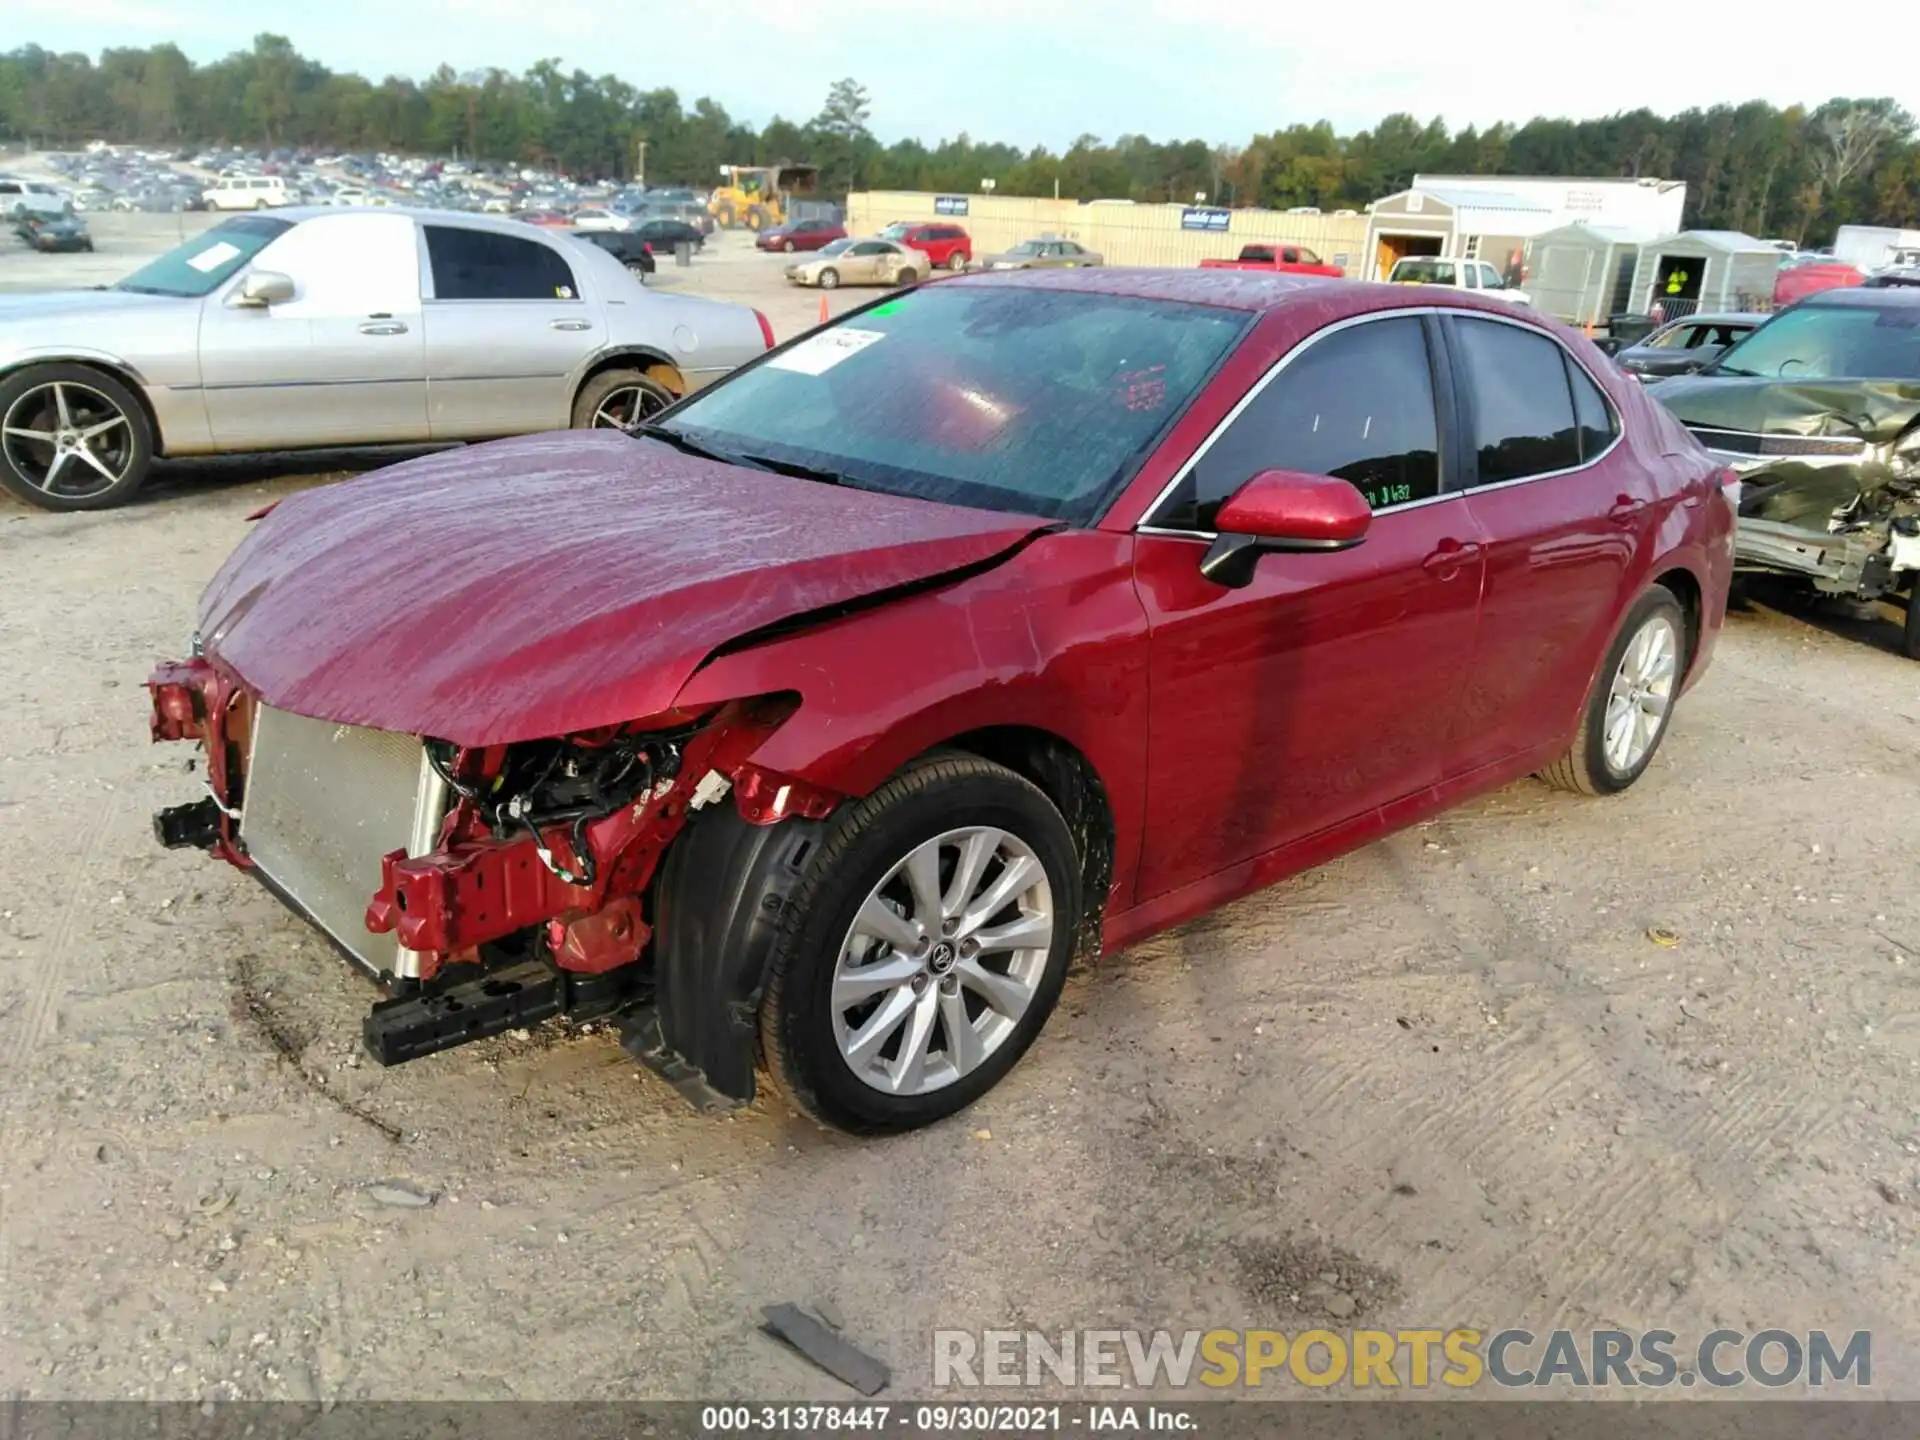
[{"x": 484, "y": 887}]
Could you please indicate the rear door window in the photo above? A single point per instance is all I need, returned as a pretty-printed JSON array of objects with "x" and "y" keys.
[
  {"x": 1358, "y": 405},
  {"x": 1520, "y": 398},
  {"x": 480, "y": 265}
]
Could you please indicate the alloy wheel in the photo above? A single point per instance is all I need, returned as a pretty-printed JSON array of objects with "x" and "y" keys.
[
  {"x": 1641, "y": 693},
  {"x": 626, "y": 408},
  {"x": 942, "y": 961},
  {"x": 67, "y": 439}
]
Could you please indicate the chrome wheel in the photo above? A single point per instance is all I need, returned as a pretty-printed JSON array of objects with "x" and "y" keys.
[
  {"x": 942, "y": 961},
  {"x": 625, "y": 408},
  {"x": 1641, "y": 693},
  {"x": 68, "y": 439}
]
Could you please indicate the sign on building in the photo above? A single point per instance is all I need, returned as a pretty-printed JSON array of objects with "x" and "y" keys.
[
  {"x": 1205, "y": 217},
  {"x": 949, "y": 204}
]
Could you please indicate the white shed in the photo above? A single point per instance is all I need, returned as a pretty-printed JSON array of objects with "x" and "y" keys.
[
  {"x": 1471, "y": 225},
  {"x": 1583, "y": 273},
  {"x": 1704, "y": 270}
]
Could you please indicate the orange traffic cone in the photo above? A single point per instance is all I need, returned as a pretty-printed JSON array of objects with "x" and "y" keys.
[{"x": 825, "y": 315}]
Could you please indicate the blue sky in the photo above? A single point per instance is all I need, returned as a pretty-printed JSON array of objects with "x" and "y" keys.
[{"x": 1046, "y": 71}]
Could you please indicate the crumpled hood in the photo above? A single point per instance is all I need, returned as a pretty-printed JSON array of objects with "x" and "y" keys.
[
  {"x": 555, "y": 583},
  {"x": 1873, "y": 410}
]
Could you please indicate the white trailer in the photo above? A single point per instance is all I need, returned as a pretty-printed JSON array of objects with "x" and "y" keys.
[{"x": 1870, "y": 247}]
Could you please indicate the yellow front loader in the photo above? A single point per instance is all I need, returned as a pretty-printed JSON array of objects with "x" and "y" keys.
[{"x": 756, "y": 195}]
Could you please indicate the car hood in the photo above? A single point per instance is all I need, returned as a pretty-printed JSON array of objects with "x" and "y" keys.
[
  {"x": 82, "y": 304},
  {"x": 555, "y": 583},
  {"x": 1800, "y": 489}
]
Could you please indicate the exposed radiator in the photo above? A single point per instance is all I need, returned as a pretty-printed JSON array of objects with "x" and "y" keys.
[{"x": 323, "y": 802}]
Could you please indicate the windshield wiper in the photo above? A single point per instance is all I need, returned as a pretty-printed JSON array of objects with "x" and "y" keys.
[
  {"x": 1729, "y": 370},
  {"x": 795, "y": 469},
  {"x": 684, "y": 442}
]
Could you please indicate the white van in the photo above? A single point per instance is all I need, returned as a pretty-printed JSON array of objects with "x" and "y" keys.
[{"x": 247, "y": 192}]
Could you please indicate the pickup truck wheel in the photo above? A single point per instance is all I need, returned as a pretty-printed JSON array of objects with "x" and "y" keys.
[
  {"x": 71, "y": 438},
  {"x": 1910, "y": 632},
  {"x": 1627, "y": 714},
  {"x": 618, "y": 400},
  {"x": 924, "y": 950}
]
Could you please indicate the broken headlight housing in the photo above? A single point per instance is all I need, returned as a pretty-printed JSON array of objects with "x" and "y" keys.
[{"x": 1904, "y": 462}]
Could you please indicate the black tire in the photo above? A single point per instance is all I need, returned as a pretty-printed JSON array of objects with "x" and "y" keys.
[
  {"x": 139, "y": 437},
  {"x": 639, "y": 272},
  {"x": 864, "y": 840},
  {"x": 829, "y": 279},
  {"x": 1585, "y": 768},
  {"x": 957, "y": 261},
  {"x": 1910, "y": 632},
  {"x": 788, "y": 246},
  {"x": 594, "y": 394}
]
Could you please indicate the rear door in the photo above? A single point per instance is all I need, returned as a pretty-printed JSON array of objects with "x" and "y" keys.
[
  {"x": 341, "y": 363},
  {"x": 1331, "y": 684},
  {"x": 506, "y": 325},
  {"x": 1564, "y": 508}
]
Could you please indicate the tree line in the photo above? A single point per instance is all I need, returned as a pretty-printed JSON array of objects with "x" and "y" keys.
[{"x": 1797, "y": 172}]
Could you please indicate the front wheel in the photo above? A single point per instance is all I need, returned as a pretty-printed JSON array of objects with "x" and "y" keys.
[
  {"x": 788, "y": 246},
  {"x": 72, "y": 438},
  {"x": 829, "y": 279},
  {"x": 1910, "y": 632},
  {"x": 956, "y": 261},
  {"x": 1627, "y": 714},
  {"x": 925, "y": 948}
]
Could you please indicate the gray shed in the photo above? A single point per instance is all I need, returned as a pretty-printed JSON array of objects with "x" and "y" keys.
[
  {"x": 1583, "y": 273},
  {"x": 1705, "y": 270}
]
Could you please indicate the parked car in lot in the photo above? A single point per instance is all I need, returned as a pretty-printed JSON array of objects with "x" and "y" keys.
[
  {"x": 663, "y": 235},
  {"x": 825, "y": 718},
  {"x": 20, "y": 199},
  {"x": 1472, "y": 275},
  {"x": 860, "y": 262},
  {"x": 1681, "y": 347},
  {"x": 801, "y": 235},
  {"x": 946, "y": 246},
  {"x": 593, "y": 218},
  {"x": 1046, "y": 253},
  {"x": 1819, "y": 413},
  {"x": 1288, "y": 259},
  {"x": 247, "y": 192},
  {"x": 545, "y": 219},
  {"x": 55, "y": 233},
  {"x": 328, "y": 327},
  {"x": 629, "y": 249}
]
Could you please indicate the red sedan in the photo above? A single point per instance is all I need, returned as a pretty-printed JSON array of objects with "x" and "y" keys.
[
  {"x": 824, "y": 719},
  {"x": 801, "y": 235}
]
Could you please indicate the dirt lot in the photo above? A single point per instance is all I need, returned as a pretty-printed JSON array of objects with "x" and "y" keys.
[{"x": 1452, "y": 1072}]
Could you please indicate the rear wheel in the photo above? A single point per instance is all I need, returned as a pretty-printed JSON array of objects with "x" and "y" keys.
[
  {"x": 1627, "y": 714},
  {"x": 71, "y": 438},
  {"x": 829, "y": 279},
  {"x": 924, "y": 950},
  {"x": 1910, "y": 632},
  {"x": 619, "y": 400},
  {"x": 956, "y": 261}
]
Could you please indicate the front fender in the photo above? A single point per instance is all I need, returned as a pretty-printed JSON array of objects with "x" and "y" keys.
[{"x": 1054, "y": 640}]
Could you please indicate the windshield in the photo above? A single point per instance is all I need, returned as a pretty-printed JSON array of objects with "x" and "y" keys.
[
  {"x": 200, "y": 265},
  {"x": 1037, "y": 402},
  {"x": 1026, "y": 247},
  {"x": 836, "y": 247},
  {"x": 894, "y": 231},
  {"x": 1831, "y": 342}
]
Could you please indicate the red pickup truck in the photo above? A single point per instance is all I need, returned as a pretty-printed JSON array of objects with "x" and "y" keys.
[{"x": 1292, "y": 259}]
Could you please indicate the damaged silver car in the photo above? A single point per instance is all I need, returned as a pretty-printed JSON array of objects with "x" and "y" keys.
[{"x": 1818, "y": 411}]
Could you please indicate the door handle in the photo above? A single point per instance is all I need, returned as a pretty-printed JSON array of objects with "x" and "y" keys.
[
  {"x": 1624, "y": 509},
  {"x": 1449, "y": 556},
  {"x": 570, "y": 324},
  {"x": 383, "y": 327}
]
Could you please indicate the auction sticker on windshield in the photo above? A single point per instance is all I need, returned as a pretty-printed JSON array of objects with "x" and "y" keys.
[
  {"x": 213, "y": 257},
  {"x": 818, "y": 354}
]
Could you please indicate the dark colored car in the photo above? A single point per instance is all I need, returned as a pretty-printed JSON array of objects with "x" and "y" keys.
[
  {"x": 825, "y": 718},
  {"x": 51, "y": 234},
  {"x": 1819, "y": 412},
  {"x": 1682, "y": 346},
  {"x": 663, "y": 235},
  {"x": 801, "y": 235},
  {"x": 946, "y": 246},
  {"x": 625, "y": 246}
]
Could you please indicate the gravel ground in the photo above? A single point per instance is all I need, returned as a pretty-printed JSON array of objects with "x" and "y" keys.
[{"x": 1449, "y": 1080}]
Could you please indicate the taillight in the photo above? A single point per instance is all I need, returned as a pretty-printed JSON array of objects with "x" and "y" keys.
[{"x": 766, "y": 328}]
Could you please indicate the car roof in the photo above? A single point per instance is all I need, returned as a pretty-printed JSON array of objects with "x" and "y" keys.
[
  {"x": 1718, "y": 317},
  {"x": 462, "y": 219},
  {"x": 1865, "y": 297}
]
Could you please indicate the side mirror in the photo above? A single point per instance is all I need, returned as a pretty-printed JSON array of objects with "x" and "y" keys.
[
  {"x": 1607, "y": 344},
  {"x": 262, "y": 288},
  {"x": 1283, "y": 511}
]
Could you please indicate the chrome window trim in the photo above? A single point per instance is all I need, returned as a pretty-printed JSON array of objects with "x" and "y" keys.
[{"x": 1145, "y": 525}]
